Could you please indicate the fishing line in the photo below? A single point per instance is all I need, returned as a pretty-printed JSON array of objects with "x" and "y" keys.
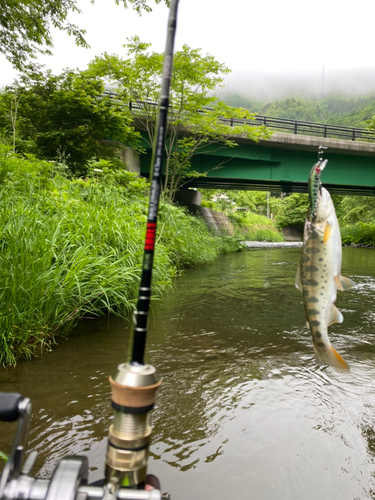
[{"x": 144, "y": 295}]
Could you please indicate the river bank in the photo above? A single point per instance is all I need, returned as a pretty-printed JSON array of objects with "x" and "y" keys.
[{"x": 72, "y": 248}]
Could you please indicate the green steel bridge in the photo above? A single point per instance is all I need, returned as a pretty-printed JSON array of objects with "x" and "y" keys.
[{"x": 283, "y": 162}]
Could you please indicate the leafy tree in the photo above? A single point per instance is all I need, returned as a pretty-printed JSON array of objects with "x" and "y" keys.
[
  {"x": 195, "y": 117},
  {"x": 355, "y": 209},
  {"x": 333, "y": 109},
  {"x": 25, "y": 25},
  {"x": 240, "y": 101},
  {"x": 67, "y": 116},
  {"x": 292, "y": 211},
  {"x": 293, "y": 109},
  {"x": 371, "y": 123}
]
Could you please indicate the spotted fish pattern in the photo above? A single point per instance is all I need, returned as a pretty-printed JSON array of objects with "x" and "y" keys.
[{"x": 319, "y": 277}]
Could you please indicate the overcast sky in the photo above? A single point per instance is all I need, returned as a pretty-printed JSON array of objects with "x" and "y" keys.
[{"x": 264, "y": 43}]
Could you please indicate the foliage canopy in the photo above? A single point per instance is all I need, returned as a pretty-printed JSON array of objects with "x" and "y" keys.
[
  {"x": 195, "y": 120},
  {"x": 349, "y": 111},
  {"x": 66, "y": 116},
  {"x": 25, "y": 25}
]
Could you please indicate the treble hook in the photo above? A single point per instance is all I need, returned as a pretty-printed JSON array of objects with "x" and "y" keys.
[{"x": 321, "y": 152}]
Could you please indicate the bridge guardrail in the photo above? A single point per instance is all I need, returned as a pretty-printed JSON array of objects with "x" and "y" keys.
[
  {"x": 316, "y": 129},
  {"x": 286, "y": 125}
]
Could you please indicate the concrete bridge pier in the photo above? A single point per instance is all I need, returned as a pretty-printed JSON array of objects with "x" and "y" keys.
[
  {"x": 131, "y": 160},
  {"x": 187, "y": 197},
  {"x": 216, "y": 221}
]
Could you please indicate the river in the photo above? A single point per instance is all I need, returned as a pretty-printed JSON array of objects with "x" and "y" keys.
[{"x": 243, "y": 411}]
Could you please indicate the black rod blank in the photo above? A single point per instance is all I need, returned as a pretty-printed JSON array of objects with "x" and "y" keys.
[{"x": 144, "y": 296}]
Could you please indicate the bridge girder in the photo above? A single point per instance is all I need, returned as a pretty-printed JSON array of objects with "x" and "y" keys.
[{"x": 283, "y": 164}]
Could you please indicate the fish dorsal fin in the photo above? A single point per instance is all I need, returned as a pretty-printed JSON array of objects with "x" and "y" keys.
[
  {"x": 298, "y": 280},
  {"x": 327, "y": 232},
  {"x": 343, "y": 283},
  {"x": 335, "y": 316}
]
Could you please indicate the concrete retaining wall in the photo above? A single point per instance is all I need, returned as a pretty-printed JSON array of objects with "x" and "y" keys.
[{"x": 216, "y": 221}]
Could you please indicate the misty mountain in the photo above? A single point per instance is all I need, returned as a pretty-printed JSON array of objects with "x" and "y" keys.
[
  {"x": 269, "y": 85},
  {"x": 333, "y": 109}
]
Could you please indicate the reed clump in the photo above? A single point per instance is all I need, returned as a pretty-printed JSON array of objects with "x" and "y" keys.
[
  {"x": 74, "y": 247},
  {"x": 255, "y": 227}
]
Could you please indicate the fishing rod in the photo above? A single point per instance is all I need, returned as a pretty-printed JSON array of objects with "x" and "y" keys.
[
  {"x": 133, "y": 385},
  {"x": 140, "y": 327}
]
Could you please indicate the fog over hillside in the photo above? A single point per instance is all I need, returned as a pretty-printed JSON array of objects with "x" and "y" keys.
[{"x": 267, "y": 86}]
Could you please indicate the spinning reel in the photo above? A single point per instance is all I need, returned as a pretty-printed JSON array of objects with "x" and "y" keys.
[
  {"x": 133, "y": 392},
  {"x": 134, "y": 384}
]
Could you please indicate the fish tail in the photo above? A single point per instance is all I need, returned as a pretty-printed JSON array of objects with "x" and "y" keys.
[{"x": 330, "y": 357}]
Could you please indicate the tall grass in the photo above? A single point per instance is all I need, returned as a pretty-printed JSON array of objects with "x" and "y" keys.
[
  {"x": 70, "y": 248},
  {"x": 255, "y": 227}
]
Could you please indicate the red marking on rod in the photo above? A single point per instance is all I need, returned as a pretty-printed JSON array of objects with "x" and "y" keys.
[{"x": 150, "y": 236}]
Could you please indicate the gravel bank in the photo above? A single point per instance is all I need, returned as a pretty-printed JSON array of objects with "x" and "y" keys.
[{"x": 266, "y": 244}]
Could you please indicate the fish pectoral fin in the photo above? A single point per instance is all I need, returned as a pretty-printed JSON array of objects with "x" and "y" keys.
[
  {"x": 329, "y": 356},
  {"x": 335, "y": 316},
  {"x": 343, "y": 283},
  {"x": 298, "y": 280},
  {"x": 327, "y": 232}
]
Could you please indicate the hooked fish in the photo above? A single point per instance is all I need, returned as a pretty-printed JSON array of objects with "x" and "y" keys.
[{"x": 319, "y": 273}]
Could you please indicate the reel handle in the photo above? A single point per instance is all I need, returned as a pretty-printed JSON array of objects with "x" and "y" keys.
[{"x": 9, "y": 406}]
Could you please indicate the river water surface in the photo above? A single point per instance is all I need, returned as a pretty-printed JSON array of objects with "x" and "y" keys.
[{"x": 243, "y": 411}]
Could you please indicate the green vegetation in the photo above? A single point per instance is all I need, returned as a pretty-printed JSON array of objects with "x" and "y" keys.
[
  {"x": 334, "y": 109},
  {"x": 356, "y": 215},
  {"x": 197, "y": 79},
  {"x": 240, "y": 101},
  {"x": 65, "y": 116},
  {"x": 73, "y": 247},
  {"x": 247, "y": 211},
  {"x": 25, "y": 26},
  {"x": 72, "y": 218},
  {"x": 359, "y": 234},
  {"x": 71, "y": 117},
  {"x": 254, "y": 227},
  {"x": 291, "y": 210}
]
